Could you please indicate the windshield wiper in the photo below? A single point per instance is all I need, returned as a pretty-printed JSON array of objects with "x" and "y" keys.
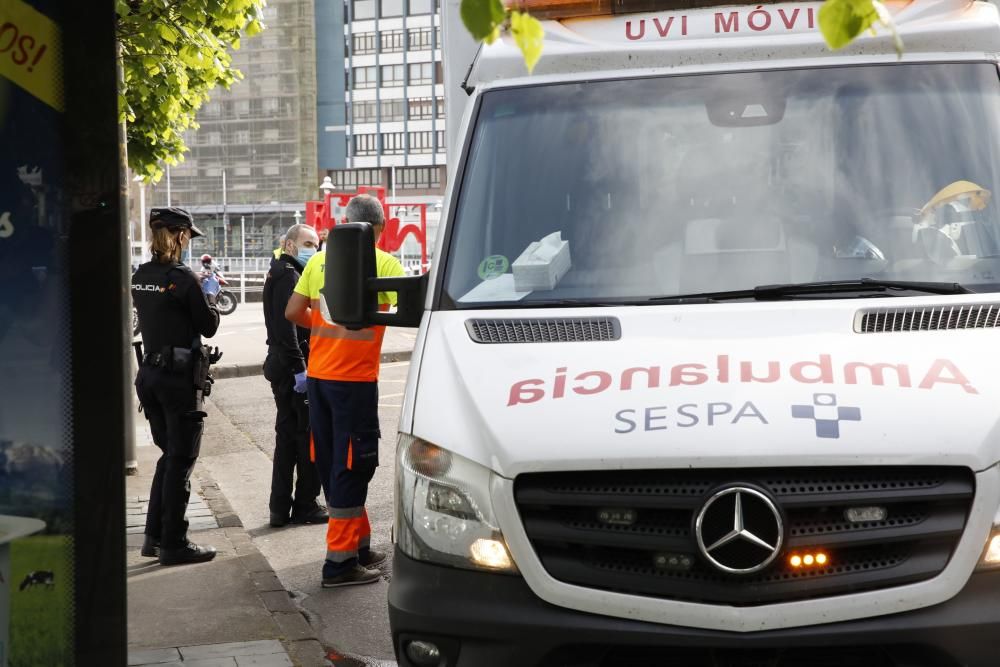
[{"x": 791, "y": 290}]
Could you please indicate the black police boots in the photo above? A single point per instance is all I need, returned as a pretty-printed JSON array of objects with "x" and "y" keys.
[
  {"x": 191, "y": 553},
  {"x": 150, "y": 547}
]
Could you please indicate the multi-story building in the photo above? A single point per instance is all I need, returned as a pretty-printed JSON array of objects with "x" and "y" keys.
[
  {"x": 380, "y": 96},
  {"x": 353, "y": 90},
  {"x": 254, "y": 155}
]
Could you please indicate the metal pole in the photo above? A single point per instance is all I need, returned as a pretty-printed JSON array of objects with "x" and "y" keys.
[
  {"x": 142, "y": 224},
  {"x": 243, "y": 258},
  {"x": 225, "y": 218},
  {"x": 393, "y": 184}
]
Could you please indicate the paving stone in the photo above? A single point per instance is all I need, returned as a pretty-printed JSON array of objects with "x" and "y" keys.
[
  {"x": 277, "y": 601},
  {"x": 308, "y": 653},
  {"x": 228, "y": 661},
  {"x": 294, "y": 626},
  {"x": 266, "y": 581},
  {"x": 152, "y": 656},
  {"x": 255, "y": 562},
  {"x": 231, "y": 649},
  {"x": 274, "y": 660},
  {"x": 132, "y": 530},
  {"x": 135, "y": 540},
  {"x": 199, "y": 512}
]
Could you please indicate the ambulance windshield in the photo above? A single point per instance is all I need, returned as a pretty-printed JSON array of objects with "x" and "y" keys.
[{"x": 688, "y": 184}]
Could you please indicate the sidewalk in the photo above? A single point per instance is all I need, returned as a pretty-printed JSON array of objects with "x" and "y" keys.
[
  {"x": 230, "y": 612},
  {"x": 247, "y": 358}
]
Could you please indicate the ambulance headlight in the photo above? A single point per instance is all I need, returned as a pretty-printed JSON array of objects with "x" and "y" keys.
[
  {"x": 991, "y": 555},
  {"x": 443, "y": 509}
]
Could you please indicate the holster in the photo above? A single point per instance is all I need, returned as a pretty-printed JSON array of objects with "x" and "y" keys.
[{"x": 202, "y": 358}]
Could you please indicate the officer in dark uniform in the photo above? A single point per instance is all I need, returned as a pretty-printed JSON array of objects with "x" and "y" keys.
[
  {"x": 285, "y": 369},
  {"x": 174, "y": 313}
]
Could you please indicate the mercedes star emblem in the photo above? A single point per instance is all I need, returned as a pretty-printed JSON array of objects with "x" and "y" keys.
[{"x": 739, "y": 530}]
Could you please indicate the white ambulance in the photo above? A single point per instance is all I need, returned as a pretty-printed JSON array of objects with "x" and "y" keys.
[{"x": 708, "y": 366}]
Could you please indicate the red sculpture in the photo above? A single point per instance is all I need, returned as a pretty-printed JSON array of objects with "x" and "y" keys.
[{"x": 325, "y": 214}]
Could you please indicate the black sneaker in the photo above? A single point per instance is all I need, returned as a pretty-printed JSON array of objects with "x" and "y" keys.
[
  {"x": 373, "y": 558},
  {"x": 356, "y": 575},
  {"x": 278, "y": 520},
  {"x": 314, "y": 515},
  {"x": 192, "y": 553},
  {"x": 150, "y": 547}
]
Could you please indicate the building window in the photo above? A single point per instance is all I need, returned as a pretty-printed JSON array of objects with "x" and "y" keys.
[
  {"x": 365, "y": 43},
  {"x": 440, "y": 140},
  {"x": 271, "y": 134},
  {"x": 421, "y": 108},
  {"x": 393, "y": 143},
  {"x": 241, "y": 137},
  {"x": 212, "y": 109},
  {"x": 363, "y": 112},
  {"x": 420, "y": 7},
  {"x": 392, "y": 75},
  {"x": 242, "y": 171},
  {"x": 439, "y": 103},
  {"x": 365, "y": 77},
  {"x": 365, "y": 144},
  {"x": 350, "y": 179},
  {"x": 418, "y": 178},
  {"x": 272, "y": 170},
  {"x": 363, "y": 9},
  {"x": 420, "y": 142},
  {"x": 421, "y": 73},
  {"x": 270, "y": 105},
  {"x": 213, "y": 138},
  {"x": 392, "y": 110},
  {"x": 392, "y": 8},
  {"x": 242, "y": 107},
  {"x": 420, "y": 39},
  {"x": 393, "y": 41}
]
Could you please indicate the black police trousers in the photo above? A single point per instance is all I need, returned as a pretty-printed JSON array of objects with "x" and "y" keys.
[
  {"x": 171, "y": 405},
  {"x": 291, "y": 445}
]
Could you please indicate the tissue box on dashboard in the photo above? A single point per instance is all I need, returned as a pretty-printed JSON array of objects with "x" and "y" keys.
[{"x": 542, "y": 265}]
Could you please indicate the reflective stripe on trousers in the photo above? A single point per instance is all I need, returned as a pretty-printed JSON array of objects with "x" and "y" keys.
[{"x": 347, "y": 531}]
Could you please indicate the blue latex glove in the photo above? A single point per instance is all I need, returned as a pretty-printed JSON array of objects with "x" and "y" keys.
[
  {"x": 300, "y": 382},
  {"x": 211, "y": 286}
]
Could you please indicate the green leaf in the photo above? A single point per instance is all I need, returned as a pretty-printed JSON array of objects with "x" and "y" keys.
[
  {"x": 483, "y": 18},
  {"x": 529, "y": 36},
  {"x": 164, "y": 87},
  {"x": 842, "y": 21},
  {"x": 167, "y": 33},
  {"x": 253, "y": 28}
]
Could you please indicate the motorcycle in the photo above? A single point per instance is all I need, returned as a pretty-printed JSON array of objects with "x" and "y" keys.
[{"x": 225, "y": 299}]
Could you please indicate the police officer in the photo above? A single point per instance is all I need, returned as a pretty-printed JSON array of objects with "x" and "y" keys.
[
  {"x": 285, "y": 369},
  {"x": 175, "y": 311}
]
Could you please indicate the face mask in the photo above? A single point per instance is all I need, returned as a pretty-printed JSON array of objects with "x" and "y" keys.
[{"x": 304, "y": 255}]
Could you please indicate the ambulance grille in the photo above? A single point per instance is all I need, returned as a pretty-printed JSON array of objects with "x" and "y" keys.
[
  {"x": 632, "y": 531},
  {"x": 934, "y": 318},
  {"x": 547, "y": 330}
]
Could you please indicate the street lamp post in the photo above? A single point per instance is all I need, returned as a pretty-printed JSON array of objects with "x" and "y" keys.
[
  {"x": 243, "y": 259},
  {"x": 142, "y": 221}
]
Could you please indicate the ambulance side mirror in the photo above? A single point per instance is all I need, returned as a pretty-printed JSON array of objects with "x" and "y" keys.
[{"x": 351, "y": 285}]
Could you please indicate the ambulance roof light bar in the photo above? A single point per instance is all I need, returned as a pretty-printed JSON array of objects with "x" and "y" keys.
[{"x": 565, "y": 9}]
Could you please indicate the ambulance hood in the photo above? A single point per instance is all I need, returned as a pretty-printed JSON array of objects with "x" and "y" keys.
[{"x": 718, "y": 385}]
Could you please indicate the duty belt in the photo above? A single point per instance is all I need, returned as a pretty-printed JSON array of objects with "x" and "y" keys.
[{"x": 170, "y": 358}]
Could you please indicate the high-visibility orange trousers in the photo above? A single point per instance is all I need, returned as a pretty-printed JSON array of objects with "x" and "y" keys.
[{"x": 345, "y": 430}]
